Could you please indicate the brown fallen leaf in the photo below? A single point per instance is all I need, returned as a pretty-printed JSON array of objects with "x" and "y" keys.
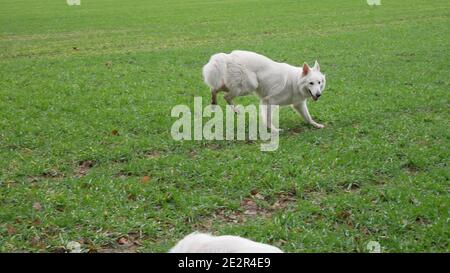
[
  {"x": 283, "y": 200},
  {"x": 145, "y": 179},
  {"x": 37, "y": 206},
  {"x": 36, "y": 242},
  {"x": 250, "y": 207},
  {"x": 295, "y": 131},
  {"x": 343, "y": 214},
  {"x": 276, "y": 205},
  {"x": 83, "y": 167},
  {"x": 11, "y": 230},
  {"x": 233, "y": 217},
  {"x": 118, "y": 249},
  {"x": 32, "y": 179},
  {"x": 193, "y": 154},
  {"x": 364, "y": 230},
  {"x": 250, "y": 212},
  {"x": 51, "y": 173},
  {"x": 255, "y": 193},
  {"x": 132, "y": 197},
  {"x": 59, "y": 250},
  {"x": 259, "y": 196},
  {"x": 115, "y": 132},
  {"x": 123, "y": 241},
  {"x": 153, "y": 154}
]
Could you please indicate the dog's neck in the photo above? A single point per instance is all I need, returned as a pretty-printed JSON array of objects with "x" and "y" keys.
[{"x": 300, "y": 87}]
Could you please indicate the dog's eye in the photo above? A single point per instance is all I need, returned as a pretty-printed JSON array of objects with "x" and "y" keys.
[
  {"x": 311, "y": 83},
  {"x": 319, "y": 82}
]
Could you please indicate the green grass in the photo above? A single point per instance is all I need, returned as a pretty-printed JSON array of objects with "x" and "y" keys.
[{"x": 70, "y": 76}]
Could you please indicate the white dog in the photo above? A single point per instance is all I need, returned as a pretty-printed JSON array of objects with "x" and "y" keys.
[
  {"x": 206, "y": 243},
  {"x": 242, "y": 72}
]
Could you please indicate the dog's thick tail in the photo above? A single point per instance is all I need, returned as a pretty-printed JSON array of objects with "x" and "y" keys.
[{"x": 214, "y": 71}]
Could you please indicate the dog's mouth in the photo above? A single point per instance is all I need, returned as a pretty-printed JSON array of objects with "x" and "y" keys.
[{"x": 312, "y": 96}]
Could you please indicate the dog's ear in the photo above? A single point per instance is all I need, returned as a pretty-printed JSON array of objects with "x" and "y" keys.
[
  {"x": 316, "y": 66},
  {"x": 306, "y": 69}
]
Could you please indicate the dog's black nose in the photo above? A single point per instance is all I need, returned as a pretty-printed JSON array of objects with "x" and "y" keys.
[{"x": 318, "y": 95}]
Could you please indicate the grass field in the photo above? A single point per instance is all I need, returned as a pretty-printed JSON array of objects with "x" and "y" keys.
[{"x": 85, "y": 146}]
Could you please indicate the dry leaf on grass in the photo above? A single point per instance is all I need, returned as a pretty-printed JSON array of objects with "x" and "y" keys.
[
  {"x": 145, "y": 179},
  {"x": 11, "y": 230},
  {"x": 37, "y": 206},
  {"x": 83, "y": 167},
  {"x": 255, "y": 193}
]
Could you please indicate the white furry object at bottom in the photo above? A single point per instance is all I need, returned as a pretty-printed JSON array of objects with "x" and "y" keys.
[{"x": 205, "y": 243}]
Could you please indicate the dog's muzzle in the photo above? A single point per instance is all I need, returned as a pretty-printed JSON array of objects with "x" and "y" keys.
[{"x": 315, "y": 98}]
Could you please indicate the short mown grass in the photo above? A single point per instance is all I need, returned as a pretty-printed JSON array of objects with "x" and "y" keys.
[{"x": 86, "y": 151}]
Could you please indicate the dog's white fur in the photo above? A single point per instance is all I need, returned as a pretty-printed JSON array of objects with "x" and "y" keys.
[
  {"x": 205, "y": 243},
  {"x": 243, "y": 72}
]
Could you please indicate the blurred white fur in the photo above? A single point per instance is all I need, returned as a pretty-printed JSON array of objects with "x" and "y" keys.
[{"x": 205, "y": 243}]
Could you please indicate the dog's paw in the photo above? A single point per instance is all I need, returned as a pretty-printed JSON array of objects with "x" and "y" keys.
[
  {"x": 274, "y": 130},
  {"x": 318, "y": 125}
]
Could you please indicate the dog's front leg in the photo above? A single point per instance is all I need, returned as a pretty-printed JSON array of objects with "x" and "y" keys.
[
  {"x": 229, "y": 98},
  {"x": 302, "y": 109},
  {"x": 213, "y": 96},
  {"x": 266, "y": 114}
]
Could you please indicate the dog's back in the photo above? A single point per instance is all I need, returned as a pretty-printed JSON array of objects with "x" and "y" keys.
[
  {"x": 230, "y": 73},
  {"x": 254, "y": 61}
]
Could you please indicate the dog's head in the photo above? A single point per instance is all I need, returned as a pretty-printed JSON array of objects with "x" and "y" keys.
[{"x": 312, "y": 80}]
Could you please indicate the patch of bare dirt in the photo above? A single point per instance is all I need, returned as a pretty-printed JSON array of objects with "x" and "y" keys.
[
  {"x": 193, "y": 154},
  {"x": 411, "y": 168},
  {"x": 48, "y": 174},
  {"x": 152, "y": 154},
  {"x": 295, "y": 131},
  {"x": 345, "y": 217},
  {"x": 84, "y": 167},
  {"x": 52, "y": 173},
  {"x": 249, "y": 207},
  {"x": 284, "y": 199},
  {"x": 124, "y": 244},
  {"x": 212, "y": 146},
  {"x": 124, "y": 174},
  {"x": 37, "y": 206}
]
